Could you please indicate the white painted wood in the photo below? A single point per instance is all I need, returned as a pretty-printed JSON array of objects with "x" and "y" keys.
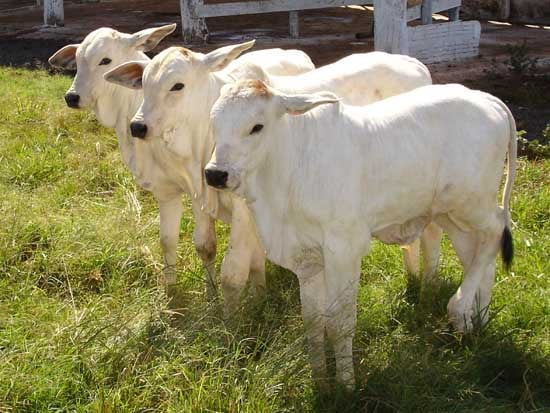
[
  {"x": 426, "y": 12},
  {"x": 438, "y": 6},
  {"x": 390, "y": 26},
  {"x": 454, "y": 14},
  {"x": 294, "y": 24},
  {"x": 53, "y": 13},
  {"x": 444, "y": 41},
  {"x": 504, "y": 9},
  {"x": 270, "y": 6},
  {"x": 193, "y": 27}
]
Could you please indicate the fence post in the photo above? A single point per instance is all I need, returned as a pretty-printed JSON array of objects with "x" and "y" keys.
[
  {"x": 426, "y": 12},
  {"x": 454, "y": 14},
  {"x": 193, "y": 27},
  {"x": 294, "y": 24},
  {"x": 53, "y": 13},
  {"x": 390, "y": 26}
]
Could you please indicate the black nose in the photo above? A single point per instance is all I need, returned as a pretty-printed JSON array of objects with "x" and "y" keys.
[
  {"x": 138, "y": 129},
  {"x": 72, "y": 100},
  {"x": 216, "y": 178}
]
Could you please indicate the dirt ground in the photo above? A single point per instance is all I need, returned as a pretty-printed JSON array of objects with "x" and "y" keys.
[{"x": 326, "y": 35}]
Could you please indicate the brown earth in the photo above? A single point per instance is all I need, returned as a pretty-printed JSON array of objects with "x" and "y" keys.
[{"x": 326, "y": 35}]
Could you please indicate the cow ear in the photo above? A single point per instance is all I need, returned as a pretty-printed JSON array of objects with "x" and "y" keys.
[
  {"x": 129, "y": 74},
  {"x": 219, "y": 59},
  {"x": 148, "y": 39},
  {"x": 300, "y": 104},
  {"x": 65, "y": 58}
]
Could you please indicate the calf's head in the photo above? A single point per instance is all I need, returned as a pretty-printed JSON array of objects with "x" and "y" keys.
[
  {"x": 175, "y": 86},
  {"x": 102, "y": 50},
  {"x": 245, "y": 119}
]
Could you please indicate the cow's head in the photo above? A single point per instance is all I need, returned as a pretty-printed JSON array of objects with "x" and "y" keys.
[
  {"x": 175, "y": 84},
  {"x": 244, "y": 120},
  {"x": 102, "y": 50}
]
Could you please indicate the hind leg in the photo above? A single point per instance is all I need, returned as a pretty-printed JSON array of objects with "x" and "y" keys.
[
  {"x": 411, "y": 257},
  {"x": 431, "y": 250},
  {"x": 477, "y": 251}
]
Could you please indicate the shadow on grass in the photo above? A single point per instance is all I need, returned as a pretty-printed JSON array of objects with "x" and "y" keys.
[{"x": 417, "y": 362}]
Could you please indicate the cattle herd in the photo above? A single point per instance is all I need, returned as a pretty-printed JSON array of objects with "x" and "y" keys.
[{"x": 307, "y": 166}]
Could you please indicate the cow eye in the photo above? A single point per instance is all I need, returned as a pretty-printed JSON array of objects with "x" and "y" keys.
[
  {"x": 257, "y": 128},
  {"x": 105, "y": 61},
  {"x": 177, "y": 86}
]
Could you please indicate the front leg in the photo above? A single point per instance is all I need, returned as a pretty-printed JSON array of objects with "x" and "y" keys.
[
  {"x": 170, "y": 219},
  {"x": 236, "y": 263},
  {"x": 313, "y": 301},
  {"x": 204, "y": 238},
  {"x": 342, "y": 273}
]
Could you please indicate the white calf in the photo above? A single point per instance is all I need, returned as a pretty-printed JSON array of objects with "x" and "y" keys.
[
  {"x": 114, "y": 106},
  {"x": 321, "y": 185},
  {"x": 361, "y": 79},
  {"x": 180, "y": 88}
]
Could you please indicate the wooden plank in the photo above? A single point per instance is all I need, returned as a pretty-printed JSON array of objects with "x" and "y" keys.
[
  {"x": 454, "y": 14},
  {"x": 193, "y": 28},
  {"x": 270, "y": 6},
  {"x": 390, "y": 26},
  {"x": 426, "y": 12},
  {"x": 438, "y": 6},
  {"x": 444, "y": 41},
  {"x": 504, "y": 9},
  {"x": 53, "y": 13},
  {"x": 294, "y": 24}
]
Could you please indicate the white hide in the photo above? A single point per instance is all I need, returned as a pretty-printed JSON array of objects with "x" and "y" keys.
[
  {"x": 359, "y": 79},
  {"x": 148, "y": 161},
  {"x": 321, "y": 185},
  {"x": 363, "y": 77}
]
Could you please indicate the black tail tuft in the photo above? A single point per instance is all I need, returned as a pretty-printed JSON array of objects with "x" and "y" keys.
[{"x": 507, "y": 248}]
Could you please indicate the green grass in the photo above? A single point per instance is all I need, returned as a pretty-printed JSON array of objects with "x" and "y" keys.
[{"x": 84, "y": 327}]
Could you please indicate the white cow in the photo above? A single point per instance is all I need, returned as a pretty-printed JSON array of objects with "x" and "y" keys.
[
  {"x": 180, "y": 88},
  {"x": 322, "y": 185},
  {"x": 360, "y": 79},
  {"x": 114, "y": 106}
]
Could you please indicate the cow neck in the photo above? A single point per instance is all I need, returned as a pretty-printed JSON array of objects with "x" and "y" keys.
[
  {"x": 268, "y": 187},
  {"x": 124, "y": 104}
]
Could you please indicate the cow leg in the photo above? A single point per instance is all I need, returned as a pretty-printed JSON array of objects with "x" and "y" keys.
[
  {"x": 431, "y": 249},
  {"x": 313, "y": 301},
  {"x": 170, "y": 219},
  {"x": 411, "y": 256},
  {"x": 483, "y": 298},
  {"x": 477, "y": 251},
  {"x": 236, "y": 263},
  {"x": 257, "y": 266},
  {"x": 204, "y": 238},
  {"x": 342, "y": 272}
]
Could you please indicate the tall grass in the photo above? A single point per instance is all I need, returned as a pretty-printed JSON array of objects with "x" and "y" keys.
[{"x": 84, "y": 326}]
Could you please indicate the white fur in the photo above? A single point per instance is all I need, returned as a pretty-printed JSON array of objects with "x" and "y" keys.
[
  {"x": 363, "y": 78},
  {"x": 321, "y": 185},
  {"x": 150, "y": 162}
]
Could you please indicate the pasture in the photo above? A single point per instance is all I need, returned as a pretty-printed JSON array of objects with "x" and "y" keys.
[{"x": 84, "y": 326}]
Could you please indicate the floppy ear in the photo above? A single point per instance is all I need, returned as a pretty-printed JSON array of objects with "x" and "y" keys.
[
  {"x": 129, "y": 74},
  {"x": 65, "y": 58},
  {"x": 220, "y": 58},
  {"x": 148, "y": 39},
  {"x": 300, "y": 104}
]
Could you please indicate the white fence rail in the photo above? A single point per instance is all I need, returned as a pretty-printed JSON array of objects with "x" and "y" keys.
[{"x": 431, "y": 43}]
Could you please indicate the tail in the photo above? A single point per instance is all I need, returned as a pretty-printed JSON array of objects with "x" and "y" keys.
[{"x": 506, "y": 243}]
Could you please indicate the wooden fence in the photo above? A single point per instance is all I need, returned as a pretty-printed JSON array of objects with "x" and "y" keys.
[{"x": 429, "y": 42}]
